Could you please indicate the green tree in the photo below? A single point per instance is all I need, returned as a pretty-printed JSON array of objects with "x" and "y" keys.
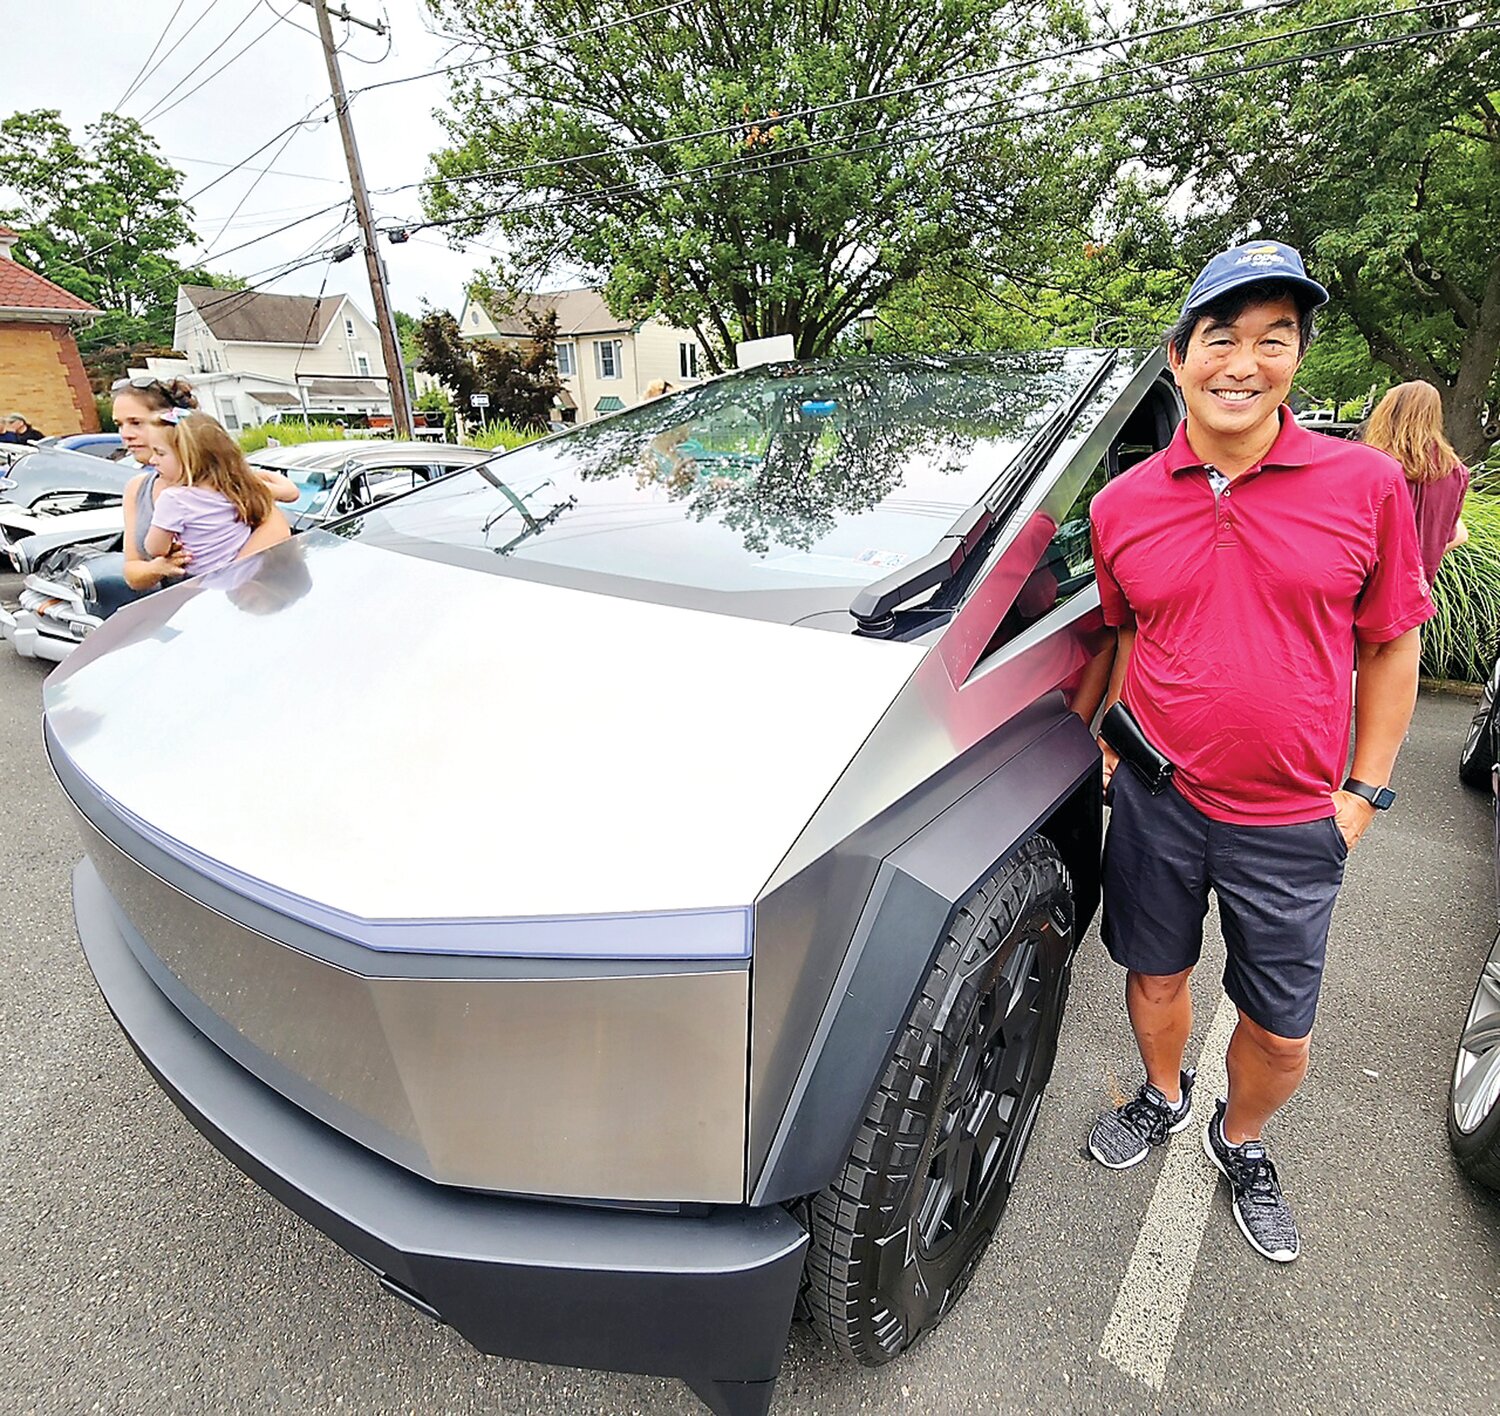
[
  {"x": 1381, "y": 164},
  {"x": 520, "y": 380},
  {"x": 445, "y": 355},
  {"x": 675, "y": 157},
  {"x": 1115, "y": 281},
  {"x": 99, "y": 217}
]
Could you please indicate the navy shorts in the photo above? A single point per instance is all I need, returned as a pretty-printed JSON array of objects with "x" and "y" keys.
[{"x": 1276, "y": 887}]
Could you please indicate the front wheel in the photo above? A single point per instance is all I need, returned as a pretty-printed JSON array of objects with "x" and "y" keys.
[
  {"x": 899, "y": 1233},
  {"x": 1481, "y": 746}
]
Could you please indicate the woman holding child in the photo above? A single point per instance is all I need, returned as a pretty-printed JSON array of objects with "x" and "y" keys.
[{"x": 150, "y": 411}]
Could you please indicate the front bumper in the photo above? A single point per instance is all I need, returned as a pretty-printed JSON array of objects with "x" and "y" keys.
[{"x": 707, "y": 1298}]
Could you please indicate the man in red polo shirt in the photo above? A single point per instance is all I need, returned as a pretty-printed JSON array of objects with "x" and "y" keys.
[{"x": 1252, "y": 570}]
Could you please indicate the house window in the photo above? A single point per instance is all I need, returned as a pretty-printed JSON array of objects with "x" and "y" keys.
[
  {"x": 362, "y": 363},
  {"x": 607, "y": 358},
  {"x": 349, "y": 328},
  {"x": 687, "y": 360},
  {"x": 566, "y": 366},
  {"x": 228, "y": 417},
  {"x": 473, "y": 316}
]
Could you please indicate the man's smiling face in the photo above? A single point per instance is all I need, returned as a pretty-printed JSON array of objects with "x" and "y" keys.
[{"x": 1236, "y": 374}]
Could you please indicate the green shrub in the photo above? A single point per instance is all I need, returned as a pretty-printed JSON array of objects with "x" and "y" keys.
[
  {"x": 105, "y": 403},
  {"x": 503, "y": 435},
  {"x": 254, "y": 439},
  {"x": 1459, "y": 642}
]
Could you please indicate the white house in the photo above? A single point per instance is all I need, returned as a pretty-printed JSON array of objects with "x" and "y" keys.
[
  {"x": 251, "y": 355},
  {"x": 605, "y": 363}
]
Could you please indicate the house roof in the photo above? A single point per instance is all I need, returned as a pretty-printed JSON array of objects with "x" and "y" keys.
[
  {"x": 346, "y": 388},
  {"x": 23, "y": 289},
  {"x": 253, "y": 317},
  {"x": 578, "y": 312}
]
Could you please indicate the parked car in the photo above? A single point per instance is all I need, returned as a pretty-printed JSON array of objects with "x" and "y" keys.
[
  {"x": 1481, "y": 747},
  {"x": 1474, "y": 1094},
  {"x": 110, "y": 446},
  {"x": 56, "y": 493},
  {"x": 708, "y": 939},
  {"x": 75, "y": 586}
]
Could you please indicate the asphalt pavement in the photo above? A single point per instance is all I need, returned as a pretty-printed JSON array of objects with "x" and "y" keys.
[{"x": 141, "y": 1273}]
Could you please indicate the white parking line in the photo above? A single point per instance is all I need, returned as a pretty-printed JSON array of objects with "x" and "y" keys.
[{"x": 1142, "y": 1327}]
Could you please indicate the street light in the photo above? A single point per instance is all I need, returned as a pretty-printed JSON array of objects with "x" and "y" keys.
[{"x": 866, "y": 321}]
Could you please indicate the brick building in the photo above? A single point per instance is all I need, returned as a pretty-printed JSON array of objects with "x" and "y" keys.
[{"x": 41, "y": 375}]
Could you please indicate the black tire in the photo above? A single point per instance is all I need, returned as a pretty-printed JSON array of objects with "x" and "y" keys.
[
  {"x": 899, "y": 1233},
  {"x": 1477, "y": 1107},
  {"x": 1481, "y": 747}
]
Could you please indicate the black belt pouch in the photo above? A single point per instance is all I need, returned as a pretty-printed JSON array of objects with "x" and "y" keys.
[{"x": 1121, "y": 731}]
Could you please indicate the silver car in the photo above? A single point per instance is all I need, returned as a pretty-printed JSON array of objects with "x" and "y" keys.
[{"x": 689, "y": 920}]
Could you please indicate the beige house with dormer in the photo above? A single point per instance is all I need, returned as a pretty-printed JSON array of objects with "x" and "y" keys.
[
  {"x": 273, "y": 355},
  {"x": 605, "y": 363}
]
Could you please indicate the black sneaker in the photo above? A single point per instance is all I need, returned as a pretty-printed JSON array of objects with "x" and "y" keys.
[
  {"x": 1124, "y": 1137},
  {"x": 1263, "y": 1215}
]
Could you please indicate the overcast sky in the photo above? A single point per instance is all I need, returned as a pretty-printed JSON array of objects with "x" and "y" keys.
[{"x": 81, "y": 57}]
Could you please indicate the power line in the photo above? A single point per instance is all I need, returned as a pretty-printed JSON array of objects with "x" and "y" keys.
[
  {"x": 305, "y": 121},
  {"x": 243, "y": 166},
  {"x": 130, "y": 87},
  {"x": 159, "y": 112},
  {"x": 898, "y": 91},
  {"x": 140, "y": 79},
  {"x": 239, "y": 25},
  {"x": 696, "y": 173},
  {"x": 311, "y": 216},
  {"x": 249, "y": 192}
]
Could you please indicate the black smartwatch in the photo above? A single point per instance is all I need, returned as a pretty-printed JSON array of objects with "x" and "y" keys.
[{"x": 1381, "y": 798}]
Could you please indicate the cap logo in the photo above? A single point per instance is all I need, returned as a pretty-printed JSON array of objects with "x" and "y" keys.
[{"x": 1259, "y": 256}]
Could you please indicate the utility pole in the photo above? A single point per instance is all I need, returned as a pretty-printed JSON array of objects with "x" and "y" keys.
[{"x": 390, "y": 346}]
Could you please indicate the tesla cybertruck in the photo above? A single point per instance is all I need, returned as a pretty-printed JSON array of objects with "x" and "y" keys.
[{"x": 680, "y": 935}]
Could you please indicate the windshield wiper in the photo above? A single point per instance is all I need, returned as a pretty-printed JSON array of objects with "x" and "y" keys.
[
  {"x": 874, "y": 607},
  {"x": 534, "y": 524}
]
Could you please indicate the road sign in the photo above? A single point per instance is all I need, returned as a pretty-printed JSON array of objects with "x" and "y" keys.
[{"x": 479, "y": 400}]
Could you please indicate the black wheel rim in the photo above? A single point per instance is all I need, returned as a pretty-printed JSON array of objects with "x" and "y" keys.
[{"x": 979, "y": 1127}]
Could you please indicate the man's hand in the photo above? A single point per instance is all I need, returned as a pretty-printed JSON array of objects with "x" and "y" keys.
[
  {"x": 1352, "y": 815},
  {"x": 1111, "y": 761}
]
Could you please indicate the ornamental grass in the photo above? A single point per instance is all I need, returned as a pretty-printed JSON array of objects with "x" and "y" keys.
[{"x": 1460, "y": 641}]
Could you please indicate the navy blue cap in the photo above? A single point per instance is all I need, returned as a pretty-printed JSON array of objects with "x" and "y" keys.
[{"x": 1253, "y": 261}]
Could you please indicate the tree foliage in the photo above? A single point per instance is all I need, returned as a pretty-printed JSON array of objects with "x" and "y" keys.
[
  {"x": 1381, "y": 164},
  {"x": 520, "y": 379},
  {"x": 99, "y": 217},
  {"x": 675, "y": 157}
]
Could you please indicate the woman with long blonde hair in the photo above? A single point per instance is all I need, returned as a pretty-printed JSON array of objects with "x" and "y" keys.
[{"x": 1408, "y": 424}]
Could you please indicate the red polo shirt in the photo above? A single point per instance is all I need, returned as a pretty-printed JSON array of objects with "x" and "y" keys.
[{"x": 1247, "y": 607}]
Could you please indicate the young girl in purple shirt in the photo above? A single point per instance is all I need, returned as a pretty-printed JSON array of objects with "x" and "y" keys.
[{"x": 212, "y": 499}]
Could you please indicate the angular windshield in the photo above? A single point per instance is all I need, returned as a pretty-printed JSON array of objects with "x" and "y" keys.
[{"x": 774, "y": 493}]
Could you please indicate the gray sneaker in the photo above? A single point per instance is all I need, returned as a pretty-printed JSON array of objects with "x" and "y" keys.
[
  {"x": 1124, "y": 1137},
  {"x": 1260, "y": 1210}
]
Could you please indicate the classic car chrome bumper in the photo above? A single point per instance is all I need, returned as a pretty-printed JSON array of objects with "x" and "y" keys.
[
  {"x": 31, "y": 639},
  {"x": 705, "y": 1296}
]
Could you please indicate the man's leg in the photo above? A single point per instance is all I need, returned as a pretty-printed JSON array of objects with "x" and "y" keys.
[
  {"x": 1277, "y": 886},
  {"x": 1155, "y": 897},
  {"x": 1161, "y": 1016},
  {"x": 1264, "y": 1071}
]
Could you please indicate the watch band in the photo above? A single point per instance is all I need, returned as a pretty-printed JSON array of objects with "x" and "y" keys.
[{"x": 1381, "y": 798}]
